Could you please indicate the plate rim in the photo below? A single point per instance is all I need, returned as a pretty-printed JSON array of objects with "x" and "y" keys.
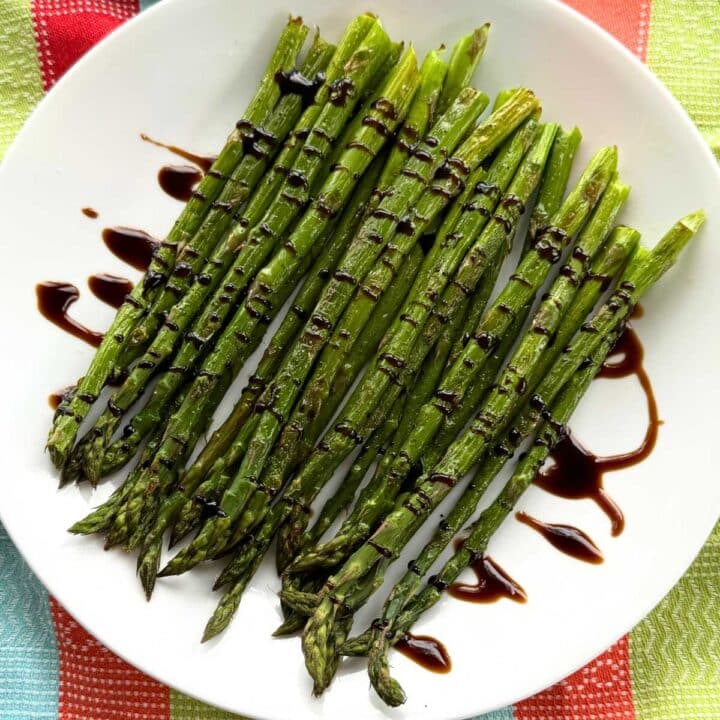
[{"x": 555, "y": 6}]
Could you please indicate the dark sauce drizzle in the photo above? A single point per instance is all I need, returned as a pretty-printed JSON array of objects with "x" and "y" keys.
[
  {"x": 577, "y": 473},
  {"x": 132, "y": 246},
  {"x": 426, "y": 651},
  {"x": 566, "y": 538},
  {"x": 293, "y": 82},
  {"x": 54, "y": 300},
  {"x": 109, "y": 289},
  {"x": 90, "y": 212},
  {"x": 492, "y": 584},
  {"x": 179, "y": 181},
  {"x": 204, "y": 162},
  {"x": 55, "y": 398}
]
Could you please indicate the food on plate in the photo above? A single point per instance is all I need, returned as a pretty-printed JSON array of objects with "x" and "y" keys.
[{"x": 368, "y": 202}]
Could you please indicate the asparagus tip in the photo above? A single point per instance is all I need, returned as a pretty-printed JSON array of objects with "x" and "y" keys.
[
  {"x": 147, "y": 568},
  {"x": 289, "y": 627},
  {"x": 222, "y": 616},
  {"x": 694, "y": 220}
]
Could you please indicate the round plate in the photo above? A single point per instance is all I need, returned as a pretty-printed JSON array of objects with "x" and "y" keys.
[{"x": 183, "y": 72}]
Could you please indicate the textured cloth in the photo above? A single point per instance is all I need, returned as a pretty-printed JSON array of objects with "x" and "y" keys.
[{"x": 667, "y": 668}]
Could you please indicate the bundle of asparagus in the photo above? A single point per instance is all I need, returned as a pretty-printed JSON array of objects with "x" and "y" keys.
[{"x": 372, "y": 184}]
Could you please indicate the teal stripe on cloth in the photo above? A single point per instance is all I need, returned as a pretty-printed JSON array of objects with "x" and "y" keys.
[
  {"x": 145, "y": 4},
  {"x": 502, "y": 714},
  {"x": 28, "y": 651}
]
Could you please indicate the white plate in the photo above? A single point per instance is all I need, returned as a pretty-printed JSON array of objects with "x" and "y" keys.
[{"x": 183, "y": 72}]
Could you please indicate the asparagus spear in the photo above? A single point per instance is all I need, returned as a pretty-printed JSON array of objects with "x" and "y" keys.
[
  {"x": 485, "y": 251},
  {"x": 222, "y": 451},
  {"x": 480, "y": 532},
  {"x": 243, "y": 566},
  {"x": 247, "y": 248},
  {"x": 293, "y": 442},
  {"x": 609, "y": 262},
  {"x": 550, "y": 196},
  {"x": 613, "y": 256},
  {"x": 154, "y": 524},
  {"x": 224, "y": 361},
  {"x": 315, "y": 222},
  {"x": 235, "y": 193},
  {"x": 555, "y": 179},
  {"x": 393, "y": 361},
  {"x": 384, "y": 439},
  {"x": 519, "y": 291},
  {"x": 374, "y": 281},
  {"x": 147, "y": 562},
  {"x": 644, "y": 269},
  {"x": 379, "y": 495},
  {"x": 572, "y": 214},
  {"x": 187, "y": 296},
  {"x": 100, "y": 520},
  {"x": 188, "y": 484},
  {"x": 514, "y": 383},
  {"x": 375, "y": 447},
  {"x": 315, "y": 121},
  {"x": 243, "y": 563},
  {"x": 295, "y": 445},
  {"x": 65, "y": 425},
  {"x": 440, "y": 87},
  {"x": 360, "y": 255},
  {"x": 437, "y": 271},
  {"x": 465, "y": 57}
]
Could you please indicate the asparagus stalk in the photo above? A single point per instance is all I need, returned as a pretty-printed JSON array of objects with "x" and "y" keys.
[
  {"x": 291, "y": 325},
  {"x": 242, "y": 567},
  {"x": 613, "y": 256},
  {"x": 237, "y": 569},
  {"x": 518, "y": 293},
  {"x": 608, "y": 264},
  {"x": 65, "y": 425},
  {"x": 554, "y": 182},
  {"x": 441, "y": 84},
  {"x": 226, "y": 448},
  {"x": 420, "y": 117},
  {"x": 100, "y": 520},
  {"x": 356, "y": 263},
  {"x": 572, "y": 216},
  {"x": 480, "y": 532},
  {"x": 643, "y": 270},
  {"x": 224, "y": 361},
  {"x": 147, "y": 562},
  {"x": 187, "y": 296},
  {"x": 379, "y": 277},
  {"x": 142, "y": 514},
  {"x": 375, "y": 447},
  {"x": 456, "y": 239},
  {"x": 247, "y": 249},
  {"x": 379, "y": 495},
  {"x": 327, "y": 204},
  {"x": 227, "y": 455},
  {"x": 437, "y": 272},
  {"x": 464, "y": 60},
  {"x": 293, "y": 442},
  {"x": 514, "y": 383},
  {"x": 243, "y": 563},
  {"x": 154, "y": 524},
  {"x": 236, "y": 192}
]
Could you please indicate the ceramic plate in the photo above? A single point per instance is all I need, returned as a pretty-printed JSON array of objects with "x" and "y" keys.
[{"x": 183, "y": 72}]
